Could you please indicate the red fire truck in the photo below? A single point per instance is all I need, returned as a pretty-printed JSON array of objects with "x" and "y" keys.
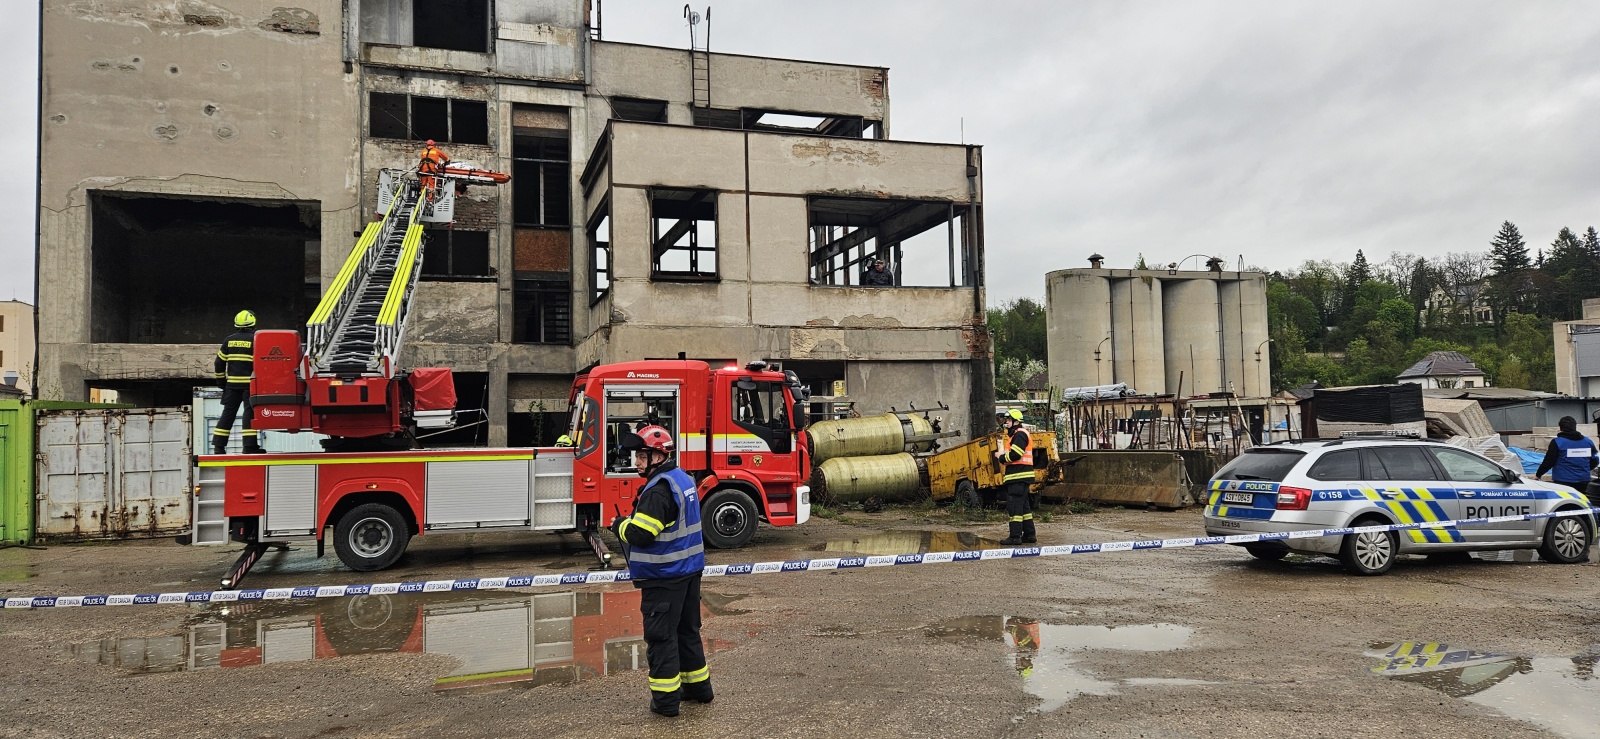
[{"x": 738, "y": 432}]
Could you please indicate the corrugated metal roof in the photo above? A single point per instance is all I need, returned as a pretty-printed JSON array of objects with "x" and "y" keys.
[{"x": 1449, "y": 364}]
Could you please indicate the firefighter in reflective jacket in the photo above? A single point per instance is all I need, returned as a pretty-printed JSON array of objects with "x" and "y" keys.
[
  {"x": 434, "y": 160},
  {"x": 666, "y": 556},
  {"x": 1018, "y": 459},
  {"x": 233, "y": 366}
]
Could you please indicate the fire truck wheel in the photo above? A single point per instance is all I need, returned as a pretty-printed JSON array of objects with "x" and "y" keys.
[
  {"x": 728, "y": 518},
  {"x": 370, "y": 536}
]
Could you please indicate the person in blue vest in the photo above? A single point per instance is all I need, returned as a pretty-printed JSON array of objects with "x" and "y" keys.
[
  {"x": 1570, "y": 458},
  {"x": 666, "y": 556}
]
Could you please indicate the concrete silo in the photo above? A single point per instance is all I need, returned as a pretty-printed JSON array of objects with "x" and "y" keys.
[
  {"x": 1078, "y": 317},
  {"x": 1137, "y": 336},
  {"x": 1244, "y": 332},
  {"x": 1193, "y": 345}
]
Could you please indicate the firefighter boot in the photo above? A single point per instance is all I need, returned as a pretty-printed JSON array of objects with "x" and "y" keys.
[
  {"x": 1029, "y": 535},
  {"x": 220, "y": 446},
  {"x": 252, "y": 446},
  {"x": 1016, "y": 535},
  {"x": 699, "y": 692},
  {"x": 664, "y": 703}
]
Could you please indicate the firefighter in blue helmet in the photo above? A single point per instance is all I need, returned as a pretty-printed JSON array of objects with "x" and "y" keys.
[
  {"x": 233, "y": 366},
  {"x": 666, "y": 556}
]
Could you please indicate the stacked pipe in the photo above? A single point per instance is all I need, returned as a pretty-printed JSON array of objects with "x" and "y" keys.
[{"x": 862, "y": 458}]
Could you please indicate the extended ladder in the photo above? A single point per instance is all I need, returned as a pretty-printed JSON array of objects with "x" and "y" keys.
[{"x": 358, "y": 328}]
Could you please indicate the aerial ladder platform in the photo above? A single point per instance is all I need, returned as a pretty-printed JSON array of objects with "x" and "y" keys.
[{"x": 345, "y": 381}]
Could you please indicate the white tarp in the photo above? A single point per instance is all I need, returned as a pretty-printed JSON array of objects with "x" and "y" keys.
[{"x": 1097, "y": 392}]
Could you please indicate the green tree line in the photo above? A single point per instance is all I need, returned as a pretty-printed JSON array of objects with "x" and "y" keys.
[{"x": 1363, "y": 323}]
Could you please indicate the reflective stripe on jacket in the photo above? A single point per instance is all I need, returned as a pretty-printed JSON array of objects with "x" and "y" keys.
[
  {"x": 1019, "y": 457},
  {"x": 678, "y": 549},
  {"x": 236, "y": 359}
]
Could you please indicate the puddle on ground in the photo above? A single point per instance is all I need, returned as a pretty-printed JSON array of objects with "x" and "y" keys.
[
  {"x": 1045, "y": 654},
  {"x": 1557, "y": 693},
  {"x": 498, "y": 638},
  {"x": 911, "y": 542}
]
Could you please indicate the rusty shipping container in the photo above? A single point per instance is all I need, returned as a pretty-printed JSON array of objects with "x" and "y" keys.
[{"x": 113, "y": 473}]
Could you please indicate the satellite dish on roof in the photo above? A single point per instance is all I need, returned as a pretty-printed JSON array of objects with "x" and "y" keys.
[{"x": 694, "y": 18}]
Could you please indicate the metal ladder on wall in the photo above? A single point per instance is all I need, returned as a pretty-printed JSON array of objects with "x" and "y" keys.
[
  {"x": 700, "y": 76},
  {"x": 699, "y": 57},
  {"x": 358, "y": 327}
]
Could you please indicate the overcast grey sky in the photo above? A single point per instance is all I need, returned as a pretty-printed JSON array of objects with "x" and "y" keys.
[{"x": 1279, "y": 131}]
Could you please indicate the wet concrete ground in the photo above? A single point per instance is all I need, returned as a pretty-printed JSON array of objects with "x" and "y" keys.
[{"x": 1199, "y": 642}]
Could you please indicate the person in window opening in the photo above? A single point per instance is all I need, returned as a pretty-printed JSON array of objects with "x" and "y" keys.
[
  {"x": 234, "y": 365},
  {"x": 1570, "y": 458},
  {"x": 877, "y": 275},
  {"x": 666, "y": 556}
]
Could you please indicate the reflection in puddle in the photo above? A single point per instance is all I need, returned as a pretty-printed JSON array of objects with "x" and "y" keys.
[
  {"x": 1044, "y": 654},
  {"x": 911, "y": 542},
  {"x": 1557, "y": 693},
  {"x": 497, "y": 637}
]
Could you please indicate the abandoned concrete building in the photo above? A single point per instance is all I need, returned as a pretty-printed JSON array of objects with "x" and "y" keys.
[{"x": 204, "y": 156}]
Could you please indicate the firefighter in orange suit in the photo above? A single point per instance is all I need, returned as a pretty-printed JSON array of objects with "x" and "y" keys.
[
  {"x": 1017, "y": 455},
  {"x": 434, "y": 160}
]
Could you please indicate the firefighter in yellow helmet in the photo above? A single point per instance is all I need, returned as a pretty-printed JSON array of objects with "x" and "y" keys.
[
  {"x": 1017, "y": 455},
  {"x": 564, "y": 441},
  {"x": 234, "y": 364}
]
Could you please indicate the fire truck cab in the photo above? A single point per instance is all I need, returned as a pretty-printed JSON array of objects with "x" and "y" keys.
[{"x": 737, "y": 432}]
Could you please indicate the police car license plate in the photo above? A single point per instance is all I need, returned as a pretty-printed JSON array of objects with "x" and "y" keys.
[{"x": 1245, "y": 498}]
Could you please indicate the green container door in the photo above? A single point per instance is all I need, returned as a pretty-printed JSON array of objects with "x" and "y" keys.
[{"x": 16, "y": 472}]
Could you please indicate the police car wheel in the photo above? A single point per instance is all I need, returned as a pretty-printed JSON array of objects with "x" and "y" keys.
[
  {"x": 1369, "y": 553},
  {"x": 1566, "y": 540},
  {"x": 1269, "y": 554},
  {"x": 728, "y": 518},
  {"x": 370, "y": 537}
]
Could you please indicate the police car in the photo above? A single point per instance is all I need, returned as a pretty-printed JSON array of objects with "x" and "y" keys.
[{"x": 1336, "y": 483}]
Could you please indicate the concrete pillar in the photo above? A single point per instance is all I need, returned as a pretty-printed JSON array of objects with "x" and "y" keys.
[
  {"x": 499, "y": 395},
  {"x": 1192, "y": 344},
  {"x": 1138, "y": 356},
  {"x": 1078, "y": 319}
]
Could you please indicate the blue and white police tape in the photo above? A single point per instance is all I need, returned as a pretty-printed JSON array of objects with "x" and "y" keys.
[{"x": 747, "y": 568}]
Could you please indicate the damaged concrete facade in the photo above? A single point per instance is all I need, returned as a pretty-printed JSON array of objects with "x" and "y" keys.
[{"x": 200, "y": 157}]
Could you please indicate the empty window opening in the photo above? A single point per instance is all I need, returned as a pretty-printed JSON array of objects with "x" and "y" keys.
[
  {"x": 535, "y": 428},
  {"x": 718, "y": 118},
  {"x": 823, "y": 378},
  {"x": 600, "y": 252},
  {"x": 461, "y": 25},
  {"x": 638, "y": 109},
  {"x": 472, "y": 402},
  {"x": 176, "y": 270},
  {"x": 922, "y": 243},
  {"x": 541, "y": 173},
  {"x": 683, "y": 234},
  {"x": 449, "y": 254},
  {"x": 543, "y": 311},
  {"x": 847, "y": 126},
  {"x": 418, "y": 118}
]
